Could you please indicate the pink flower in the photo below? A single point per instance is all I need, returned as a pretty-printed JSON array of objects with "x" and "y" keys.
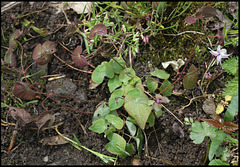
[
  {"x": 208, "y": 75},
  {"x": 145, "y": 39},
  {"x": 219, "y": 54},
  {"x": 147, "y": 18}
]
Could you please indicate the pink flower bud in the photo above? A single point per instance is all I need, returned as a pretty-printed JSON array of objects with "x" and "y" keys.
[
  {"x": 208, "y": 75},
  {"x": 145, "y": 39}
]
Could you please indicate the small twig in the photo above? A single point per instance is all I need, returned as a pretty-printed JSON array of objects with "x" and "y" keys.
[
  {"x": 9, "y": 6},
  {"x": 172, "y": 114},
  {"x": 181, "y": 33},
  {"x": 13, "y": 138},
  {"x": 30, "y": 13},
  {"x": 146, "y": 147},
  {"x": 130, "y": 56},
  {"x": 83, "y": 128},
  {"x": 71, "y": 66},
  {"x": 191, "y": 100}
]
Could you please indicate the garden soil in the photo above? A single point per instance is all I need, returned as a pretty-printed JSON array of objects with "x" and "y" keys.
[{"x": 165, "y": 147}]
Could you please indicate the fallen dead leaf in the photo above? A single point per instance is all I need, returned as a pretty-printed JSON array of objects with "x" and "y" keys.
[
  {"x": 20, "y": 115},
  {"x": 54, "y": 140}
]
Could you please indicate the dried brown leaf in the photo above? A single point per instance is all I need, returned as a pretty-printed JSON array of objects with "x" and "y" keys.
[{"x": 20, "y": 115}]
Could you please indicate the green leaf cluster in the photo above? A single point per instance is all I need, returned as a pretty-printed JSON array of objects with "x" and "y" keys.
[
  {"x": 231, "y": 67},
  {"x": 126, "y": 91},
  {"x": 201, "y": 130}
]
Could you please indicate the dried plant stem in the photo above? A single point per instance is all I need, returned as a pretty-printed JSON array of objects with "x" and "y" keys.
[
  {"x": 172, "y": 114},
  {"x": 89, "y": 72}
]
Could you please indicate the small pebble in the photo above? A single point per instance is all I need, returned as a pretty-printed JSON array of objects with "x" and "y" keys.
[{"x": 45, "y": 159}]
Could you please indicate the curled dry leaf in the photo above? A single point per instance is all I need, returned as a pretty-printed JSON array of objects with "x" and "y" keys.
[
  {"x": 22, "y": 91},
  {"x": 79, "y": 7},
  {"x": 78, "y": 59},
  {"x": 175, "y": 64},
  {"x": 20, "y": 115}
]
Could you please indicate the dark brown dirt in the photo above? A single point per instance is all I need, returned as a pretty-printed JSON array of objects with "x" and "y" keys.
[{"x": 173, "y": 150}]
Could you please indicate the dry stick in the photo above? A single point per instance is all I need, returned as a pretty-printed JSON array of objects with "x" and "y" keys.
[
  {"x": 205, "y": 95},
  {"x": 30, "y": 13},
  {"x": 130, "y": 56},
  {"x": 164, "y": 107},
  {"x": 83, "y": 128},
  {"x": 159, "y": 145},
  {"x": 71, "y": 66},
  {"x": 172, "y": 114},
  {"x": 146, "y": 145},
  {"x": 9, "y": 6},
  {"x": 13, "y": 138}
]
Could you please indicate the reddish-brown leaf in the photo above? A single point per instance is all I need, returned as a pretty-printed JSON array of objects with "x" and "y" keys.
[
  {"x": 20, "y": 115},
  {"x": 190, "y": 19},
  {"x": 213, "y": 123},
  {"x": 37, "y": 52},
  {"x": 207, "y": 11},
  {"x": 43, "y": 53},
  {"x": 45, "y": 119},
  {"x": 229, "y": 127},
  {"x": 99, "y": 29},
  {"x": 78, "y": 59},
  {"x": 22, "y": 91},
  {"x": 49, "y": 47},
  {"x": 44, "y": 59}
]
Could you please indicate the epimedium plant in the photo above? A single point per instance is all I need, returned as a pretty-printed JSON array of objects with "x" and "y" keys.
[
  {"x": 127, "y": 94},
  {"x": 218, "y": 129}
]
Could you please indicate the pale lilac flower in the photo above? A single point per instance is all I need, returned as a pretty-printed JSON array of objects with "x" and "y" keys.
[
  {"x": 147, "y": 18},
  {"x": 145, "y": 39},
  {"x": 219, "y": 54},
  {"x": 208, "y": 75}
]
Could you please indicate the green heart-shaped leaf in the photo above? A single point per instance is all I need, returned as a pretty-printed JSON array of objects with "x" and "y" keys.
[
  {"x": 99, "y": 126},
  {"x": 115, "y": 120},
  {"x": 136, "y": 104},
  {"x": 190, "y": 80},
  {"x": 164, "y": 85},
  {"x": 117, "y": 68},
  {"x": 152, "y": 84},
  {"x": 160, "y": 74},
  {"x": 116, "y": 145},
  {"x": 126, "y": 75},
  {"x": 116, "y": 99},
  {"x": 105, "y": 69},
  {"x": 114, "y": 83}
]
